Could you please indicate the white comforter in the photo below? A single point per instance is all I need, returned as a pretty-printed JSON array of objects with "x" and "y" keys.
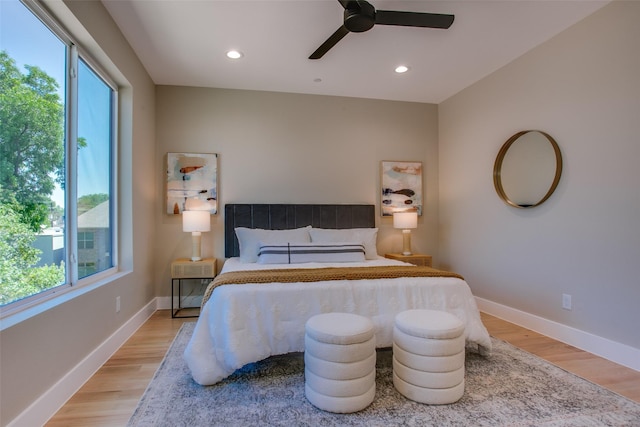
[{"x": 246, "y": 323}]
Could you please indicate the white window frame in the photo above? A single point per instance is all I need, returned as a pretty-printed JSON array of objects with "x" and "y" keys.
[{"x": 15, "y": 311}]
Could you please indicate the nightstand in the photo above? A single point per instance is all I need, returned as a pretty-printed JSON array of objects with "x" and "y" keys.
[
  {"x": 191, "y": 279},
  {"x": 416, "y": 259}
]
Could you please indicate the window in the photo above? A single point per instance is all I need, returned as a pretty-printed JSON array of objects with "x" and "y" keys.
[
  {"x": 85, "y": 240},
  {"x": 94, "y": 169},
  {"x": 57, "y": 121}
]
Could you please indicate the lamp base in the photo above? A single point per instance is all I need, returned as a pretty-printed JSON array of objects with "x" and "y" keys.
[
  {"x": 196, "y": 238},
  {"x": 406, "y": 242}
]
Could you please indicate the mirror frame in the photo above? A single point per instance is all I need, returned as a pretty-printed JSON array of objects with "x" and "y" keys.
[{"x": 497, "y": 168}]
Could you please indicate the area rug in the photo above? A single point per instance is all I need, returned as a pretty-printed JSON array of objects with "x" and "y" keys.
[{"x": 510, "y": 388}]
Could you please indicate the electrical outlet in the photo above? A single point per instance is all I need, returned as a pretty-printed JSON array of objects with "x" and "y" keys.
[
  {"x": 117, "y": 304},
  {"x": 566, "y": 301}
]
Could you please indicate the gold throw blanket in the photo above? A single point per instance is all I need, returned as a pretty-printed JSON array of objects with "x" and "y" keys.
[{"x": 294, "y": 275}]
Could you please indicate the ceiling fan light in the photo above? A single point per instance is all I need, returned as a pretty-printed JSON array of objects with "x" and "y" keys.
[
  {"x": 401, "y": 69},
  {"x": 234, "y": 54}
]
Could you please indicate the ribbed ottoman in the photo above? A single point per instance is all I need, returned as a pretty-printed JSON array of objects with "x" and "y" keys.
[
  {"x": 428, "y": 356},
  {"x": 340, "y": 362}
]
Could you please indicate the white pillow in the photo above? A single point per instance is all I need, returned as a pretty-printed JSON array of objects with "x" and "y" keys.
[
  {"x": 292, "y": 253},
  {"x": 249, "y": 239},
  {"x": 367, "y": 236}
]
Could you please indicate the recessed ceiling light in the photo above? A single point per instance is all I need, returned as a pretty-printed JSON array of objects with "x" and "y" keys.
[
  {"x": 234, "y": 54},
  {"x": 401, "y": 69}
]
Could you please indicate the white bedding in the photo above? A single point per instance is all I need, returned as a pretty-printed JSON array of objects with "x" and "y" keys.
[{"x": 246, "y": 323}]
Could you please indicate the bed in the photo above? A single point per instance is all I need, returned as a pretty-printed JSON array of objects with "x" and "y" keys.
[{"x": 257, "y": 306}]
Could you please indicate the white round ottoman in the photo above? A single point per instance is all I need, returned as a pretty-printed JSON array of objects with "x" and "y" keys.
[
  {"x": 428, "y": 356},
  {"x": 340, "y": 362}
]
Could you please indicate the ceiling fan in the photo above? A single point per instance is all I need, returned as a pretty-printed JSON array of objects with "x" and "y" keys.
[{"x": 361, "y": 16}]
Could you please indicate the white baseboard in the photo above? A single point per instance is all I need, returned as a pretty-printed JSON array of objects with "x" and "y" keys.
[
  {"x": 39, "y": 412},
  {"x": 614, "y": 351},
  {"x": 163, "y": 303}
]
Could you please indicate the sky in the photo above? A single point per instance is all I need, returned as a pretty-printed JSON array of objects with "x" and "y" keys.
[{"x": 29, "y": 42}]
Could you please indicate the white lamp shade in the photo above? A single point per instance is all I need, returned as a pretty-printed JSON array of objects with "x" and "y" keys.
[
  {"x": 196, "y": 221},
  {"x": 405, "y": 220}
]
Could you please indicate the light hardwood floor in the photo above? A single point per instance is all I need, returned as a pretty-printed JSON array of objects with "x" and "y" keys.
[{"x": 111, "y": 395}]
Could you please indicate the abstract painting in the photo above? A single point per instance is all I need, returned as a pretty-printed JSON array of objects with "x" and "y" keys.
[
  {"x": 401, "y": 187},
  {"x": 192, "y": 182}
]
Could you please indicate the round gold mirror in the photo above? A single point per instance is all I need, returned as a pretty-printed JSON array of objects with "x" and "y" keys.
[{"x": 527, "y": 169}]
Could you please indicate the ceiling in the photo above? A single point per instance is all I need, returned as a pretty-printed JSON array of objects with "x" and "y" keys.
[{"x": 183, "y": 43}]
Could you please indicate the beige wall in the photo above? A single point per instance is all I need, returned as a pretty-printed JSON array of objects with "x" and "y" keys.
[
  {"x": 36, "y": 353},
  {"x": 582, "y": 87},
  {"x": 288, "y": 148}
]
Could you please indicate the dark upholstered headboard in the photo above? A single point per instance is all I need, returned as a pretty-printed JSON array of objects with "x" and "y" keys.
[{"x": 284, "y": 217}]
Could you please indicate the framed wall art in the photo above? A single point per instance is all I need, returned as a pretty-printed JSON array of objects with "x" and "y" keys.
[
  {"x": 192, "y": 182},
  {"x": 401, "y": 187}
]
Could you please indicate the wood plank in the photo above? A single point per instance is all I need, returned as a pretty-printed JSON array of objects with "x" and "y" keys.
[{"x": 112, "y": 394}]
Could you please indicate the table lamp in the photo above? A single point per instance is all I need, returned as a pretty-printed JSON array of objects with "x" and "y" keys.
[
  {"x": 196, "y": 222},
  {"x": 406, "y": 220}
]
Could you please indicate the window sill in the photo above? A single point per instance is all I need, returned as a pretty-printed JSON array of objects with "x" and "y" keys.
[{"x": 13, "y": 315}]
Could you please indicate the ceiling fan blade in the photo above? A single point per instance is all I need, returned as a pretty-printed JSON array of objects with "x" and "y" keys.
[
  {"x": 349, "y": 3},
  {"x": 329, "y": 43},
  {"x": 413, "y": 19}
]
